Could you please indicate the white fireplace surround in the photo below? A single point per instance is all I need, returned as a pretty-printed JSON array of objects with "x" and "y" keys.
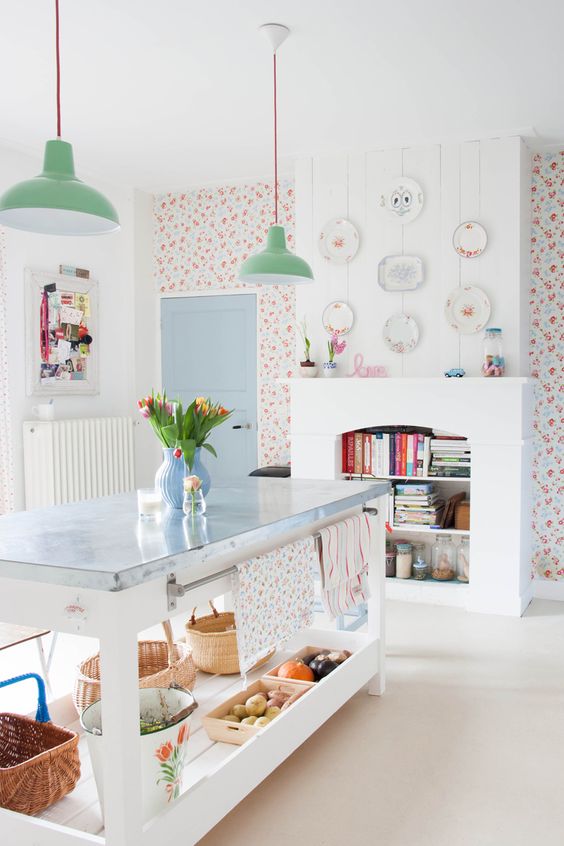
[{"x": 494, "y": 414}]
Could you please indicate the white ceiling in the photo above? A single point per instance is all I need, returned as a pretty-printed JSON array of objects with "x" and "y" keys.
[{"x": 164, "y": 94}]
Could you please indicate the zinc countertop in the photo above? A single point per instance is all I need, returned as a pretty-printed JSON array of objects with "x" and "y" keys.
[{"x": 103, "y": 545}]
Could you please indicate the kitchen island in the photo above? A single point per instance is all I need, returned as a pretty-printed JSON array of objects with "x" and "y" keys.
[{"x": 94, "y": 569}]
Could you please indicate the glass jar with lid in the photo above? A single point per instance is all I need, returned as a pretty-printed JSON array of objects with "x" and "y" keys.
[
  {"x": 419, "y": 550},
  {"x": 444, "y": 559},
  {"x": 403, "y": 560},
  {"x": 463, "y": 561},
  {"x": 493, "y": 361},
  {"x": 420, "y": 569}
]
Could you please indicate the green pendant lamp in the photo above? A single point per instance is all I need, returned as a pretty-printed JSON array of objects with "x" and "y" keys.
[
  {"x": 56, "y": 202},
  {"x": 275, "y": 265}
]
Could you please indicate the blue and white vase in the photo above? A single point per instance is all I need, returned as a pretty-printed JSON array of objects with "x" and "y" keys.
[
  {"x": 200, "y": 469},
  {"x": 169, "y": 479},
  {"x": 329, "y": 368}
]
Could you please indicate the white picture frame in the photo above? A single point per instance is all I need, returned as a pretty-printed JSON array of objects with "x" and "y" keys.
[{"x": 35, "y": 282}]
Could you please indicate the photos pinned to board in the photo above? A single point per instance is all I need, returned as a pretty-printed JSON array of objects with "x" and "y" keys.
[{"x": 62, "y": 333}]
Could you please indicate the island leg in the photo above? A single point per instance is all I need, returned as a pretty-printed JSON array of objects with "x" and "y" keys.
[
  {"x": 377, "y": 601},
  {"x": 120, "y": 725}
]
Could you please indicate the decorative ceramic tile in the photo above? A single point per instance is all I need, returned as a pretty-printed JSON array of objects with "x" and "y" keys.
[
  {"x": 201, "y": 237},
  {"x": 547, "y": 362}
]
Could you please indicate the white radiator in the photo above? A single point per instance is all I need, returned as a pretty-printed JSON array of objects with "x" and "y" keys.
[{"x": 69, "y": 460}]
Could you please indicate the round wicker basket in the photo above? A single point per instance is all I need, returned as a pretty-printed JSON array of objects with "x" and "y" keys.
[
  {"x": 161, "y": 663},
  {"x": 213, "y": 640}
]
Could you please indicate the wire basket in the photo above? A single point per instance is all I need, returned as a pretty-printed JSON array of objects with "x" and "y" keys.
[
  {"x": 39, "y": 761},
  {"x": 213, "y": 640},
  {"x": 161, "y": 664}
]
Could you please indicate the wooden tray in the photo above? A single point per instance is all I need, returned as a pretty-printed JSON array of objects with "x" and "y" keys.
[
  {"x": 237, "y": 733},
  {"x": 307, "y": 650}
]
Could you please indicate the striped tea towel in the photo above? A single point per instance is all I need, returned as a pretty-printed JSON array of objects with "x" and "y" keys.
[
  {"x": 273, "y": 599},
  {"x": 344, "y": 554}
]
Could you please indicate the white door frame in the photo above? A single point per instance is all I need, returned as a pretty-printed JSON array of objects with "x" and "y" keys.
[{"x": 217, "y": 292}]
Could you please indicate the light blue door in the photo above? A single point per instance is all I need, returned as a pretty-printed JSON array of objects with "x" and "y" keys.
[{"x": 209, "y": 348}]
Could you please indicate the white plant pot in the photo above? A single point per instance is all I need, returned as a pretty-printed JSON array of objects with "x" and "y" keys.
[
  {"x": 329, "y": 368},
  {"x": 167, "y": 746},
  {"x": 308, "y": 372}
]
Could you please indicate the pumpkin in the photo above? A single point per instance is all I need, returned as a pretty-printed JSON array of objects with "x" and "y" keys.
[{"x": 295, "y": 670}]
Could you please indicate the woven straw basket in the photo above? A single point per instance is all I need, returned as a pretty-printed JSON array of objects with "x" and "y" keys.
[
  {"x": 39, "y": 761},
  {"x": 161, "y": 663},
  {"x": 214, "y": 642}
]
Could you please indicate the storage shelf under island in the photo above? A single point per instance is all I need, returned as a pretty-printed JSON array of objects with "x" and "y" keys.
[{"x": 85, "y": 569}]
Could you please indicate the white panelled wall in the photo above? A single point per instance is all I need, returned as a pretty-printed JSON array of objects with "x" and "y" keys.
[{"x": 486, "y": 180}]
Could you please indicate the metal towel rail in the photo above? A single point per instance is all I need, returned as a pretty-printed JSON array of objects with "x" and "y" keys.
[{"x": 175, "y": 591}]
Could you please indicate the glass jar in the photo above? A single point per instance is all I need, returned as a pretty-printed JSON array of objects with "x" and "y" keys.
[
  {"x": 390, "y": 562},
  {"x": 419, "y": 569},
  {"x": 463, "y": 561},
  {"x": 419, "y": 550},
  {"x": 403, "y": 560},
  {"x": 493, "y": 361},
  {"x": 444, "y": 559}
]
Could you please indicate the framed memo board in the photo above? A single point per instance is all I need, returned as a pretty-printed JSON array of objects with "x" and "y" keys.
[{"x": 61, "y": 334}]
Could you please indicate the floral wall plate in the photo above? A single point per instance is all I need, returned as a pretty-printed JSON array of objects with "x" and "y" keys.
[
  {"x": 337, "y": 318},
  {"x": 469, "y": 239},
  {"x": 338, "y": 241},
  {"x": 467, "y": 309},
  {"x": 401, "y": 333},
  {"x": 400, "y": 273},
  {"x": 403, "y": 199}
]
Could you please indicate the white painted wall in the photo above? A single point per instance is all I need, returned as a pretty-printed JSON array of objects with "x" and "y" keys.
[
  {"x": 487, "y": 180},
  {"x": 111, "y": 260}
]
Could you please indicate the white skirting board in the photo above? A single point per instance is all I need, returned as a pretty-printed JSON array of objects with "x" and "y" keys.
[{"x": 548, "y": 589}]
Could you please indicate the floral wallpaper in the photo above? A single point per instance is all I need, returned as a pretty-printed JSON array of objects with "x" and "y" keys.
[
  {"x": 547, "y": 362},
  {"x": 200, "y": 239},
  {"x": 6, "y": 463}
]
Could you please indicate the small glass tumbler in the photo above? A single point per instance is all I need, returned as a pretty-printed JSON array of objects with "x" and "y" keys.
[
  {"x": 149, "y": 503},
  {"x": 194, "y": 503}
]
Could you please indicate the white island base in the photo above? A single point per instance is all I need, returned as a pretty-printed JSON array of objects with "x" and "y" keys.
[{"x": 269, "y": 514}]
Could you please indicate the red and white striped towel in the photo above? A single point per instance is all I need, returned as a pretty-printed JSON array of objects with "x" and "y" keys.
[{"x": 344, "y": 553}]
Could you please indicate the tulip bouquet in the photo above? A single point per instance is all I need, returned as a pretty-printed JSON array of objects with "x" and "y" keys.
[{"x": 185, "y": 431}]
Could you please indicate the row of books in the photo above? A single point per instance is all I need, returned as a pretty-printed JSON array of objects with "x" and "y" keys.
[{"x": 404, "y": 451}]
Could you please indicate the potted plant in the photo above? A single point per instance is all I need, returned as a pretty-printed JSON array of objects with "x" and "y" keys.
[
  {"x": 335, "y": 347},
  {"x": 307, "y": 366},
  {"x": 183, "y": 435}
]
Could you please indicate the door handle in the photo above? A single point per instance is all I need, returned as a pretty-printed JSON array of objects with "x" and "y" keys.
[{"x": 243, "y": 426}]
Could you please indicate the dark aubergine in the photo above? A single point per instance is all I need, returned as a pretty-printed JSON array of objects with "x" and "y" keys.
[{"x": 325, "y": 667}]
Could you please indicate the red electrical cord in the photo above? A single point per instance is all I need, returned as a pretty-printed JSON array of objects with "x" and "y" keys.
[
  {"x": 275, "y": 147},
  {"x": 58, "y": 54}
]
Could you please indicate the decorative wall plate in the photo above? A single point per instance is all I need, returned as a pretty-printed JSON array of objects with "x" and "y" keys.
[
  {"x": 400, "y": 273},
  {"x": 338, "y": 241},
  {"x": 337, "y": 318},
  {"x": 467, "y": 309},
  {"x": 401, "y": 333},
  {"x": 403, "y": 199},
  {"x": 469, "y": 239}
]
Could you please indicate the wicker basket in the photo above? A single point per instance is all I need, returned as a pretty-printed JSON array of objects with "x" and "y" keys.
[
  {"x": 39, "y": 761},
  {"x": 214, "y": 642},
  {"x": 161, "y": 663}
]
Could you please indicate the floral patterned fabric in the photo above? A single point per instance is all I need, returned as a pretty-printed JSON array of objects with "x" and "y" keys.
[
  {"x": 201, "y": 237},
  {"x": 273, "y": 599},
  {"x": 547, "y": 362},
  {"x": 6, "y": 462}
]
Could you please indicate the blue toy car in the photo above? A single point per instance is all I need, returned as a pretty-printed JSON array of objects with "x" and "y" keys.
[{"x": 455, "y": 371}]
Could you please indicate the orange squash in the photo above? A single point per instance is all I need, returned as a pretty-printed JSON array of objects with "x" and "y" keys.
[{"x": 295, "y": 670}]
